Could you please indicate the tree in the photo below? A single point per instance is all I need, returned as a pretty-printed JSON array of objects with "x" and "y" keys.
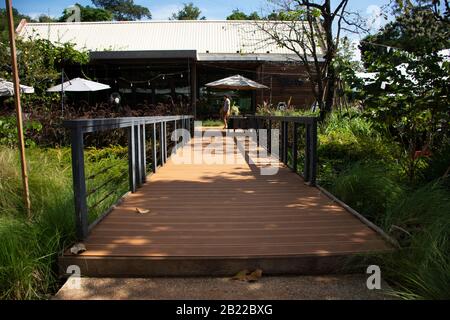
[
  {"x": 40, "y": 62},
  {"x": 346, "y": 68},
  {"x": 308, "y": 30},
  {"x": 88, "y": 14},
  {"x": 439, "y": 8},
  {"x": 409, "y": 96},
  {"x": 189, "y": 12},
  {"x": 17, "y": 17},
  {"x": 123, "y": 10},
  {"x": 239, "y": 15},
  {"x": 46, "y": 18},
  {"x": 277, "y": 15},
  {"x": 415, "y": 30}
]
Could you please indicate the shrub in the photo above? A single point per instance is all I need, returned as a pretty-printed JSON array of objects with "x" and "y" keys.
[
  {"x": 235, "y": 110},
  {"x": 8, "y": 131},
  {"x": 212, "y": 123},
  {"x": 347, "y": 139}
]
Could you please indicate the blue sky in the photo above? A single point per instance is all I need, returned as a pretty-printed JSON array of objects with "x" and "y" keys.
[
  {"x": 213, "y": 10},
  {"x": 162, "y": 9}
]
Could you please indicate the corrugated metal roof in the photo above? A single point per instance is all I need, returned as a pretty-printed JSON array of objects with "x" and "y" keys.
[{"x": 205, "y": 37}]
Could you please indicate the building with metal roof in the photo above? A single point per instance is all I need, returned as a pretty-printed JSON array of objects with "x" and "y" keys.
[
  {"x": 145, "y": 58},
  {"x": 206, "y": 40}
]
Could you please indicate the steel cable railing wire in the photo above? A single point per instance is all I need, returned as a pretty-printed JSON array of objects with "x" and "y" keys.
[{"x": 126, "y": 150}]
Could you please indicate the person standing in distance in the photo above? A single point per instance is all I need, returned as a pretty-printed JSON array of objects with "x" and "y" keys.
[{"x": 226, "y": 110}]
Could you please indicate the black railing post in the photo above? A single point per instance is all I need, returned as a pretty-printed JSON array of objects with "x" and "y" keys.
[
  {"x": 306, "y": 169},
  {"x": 143, "y": 155},
  {"x": 286, "y": 143},
  {"x": 161, "y": 141},
  {"x": 165, "y": 141},
  {"x": 269, "y": 137},
  {"x": 154, "y": 155},
  {"x": 131, "y": 158},
  {"x": 138, "y": 151},
  {"x": 294, "y": 147},
  {"x": 183, "y": 127},
  {"x": 79, "y": 184},
  {"x": 176, "y": 136},
  {"x": 189, "y": 124},
  {"x": 313, "y": 153},
  {"x": 280, "y": 156},
  {"x": 257, "y": 130}
]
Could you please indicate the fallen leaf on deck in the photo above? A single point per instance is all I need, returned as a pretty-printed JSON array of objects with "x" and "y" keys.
[
  {"x": 248, "y": 276},
  {"x": 241, "y": 275},
  {"x": 255, "y": 275},
  {"x": 142, "y": 211},
  {"x": 78, "y": 248}
]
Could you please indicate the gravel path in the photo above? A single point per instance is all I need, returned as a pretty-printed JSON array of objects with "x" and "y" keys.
[{"x": 290, "y": 288}]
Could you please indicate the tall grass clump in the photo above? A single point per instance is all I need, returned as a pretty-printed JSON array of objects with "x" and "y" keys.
[
  {"x": 421, "y": 223},
  {"x": 368, "y": 188},
  {"x": 29, "y": 247}
]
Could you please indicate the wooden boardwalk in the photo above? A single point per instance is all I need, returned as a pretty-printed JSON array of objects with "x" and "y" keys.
[{"x": 217, "y": 218}]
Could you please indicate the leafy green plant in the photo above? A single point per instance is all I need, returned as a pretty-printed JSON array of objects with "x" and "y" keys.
[
  {"x": 348, "y": 138},
  {"x": 8, "y": 131},
  {"x": 235, "y": 110},
  {"x": 409, "y": 95}
]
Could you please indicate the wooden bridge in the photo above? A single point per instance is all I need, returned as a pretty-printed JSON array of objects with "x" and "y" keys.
[{"x": 218, "y": 215}]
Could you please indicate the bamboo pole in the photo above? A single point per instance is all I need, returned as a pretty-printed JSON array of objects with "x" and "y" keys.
[{"x": 12, "y": 43}]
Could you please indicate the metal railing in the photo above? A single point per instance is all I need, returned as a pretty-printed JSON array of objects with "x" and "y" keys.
[
  {"x": 137, "y": 167},
  {"x": 261, "y": 122}
]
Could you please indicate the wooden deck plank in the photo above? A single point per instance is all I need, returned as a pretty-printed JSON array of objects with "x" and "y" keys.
[
  {"x": 228, "y": 210},
  {"x": 258, "y": 250}
]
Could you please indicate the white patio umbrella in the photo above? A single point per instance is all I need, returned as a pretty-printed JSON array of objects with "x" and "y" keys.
[
  {"x": 236, "y": 82},
  {"x": 7, "y": 88},
  {"x": 79, "y": 85}
]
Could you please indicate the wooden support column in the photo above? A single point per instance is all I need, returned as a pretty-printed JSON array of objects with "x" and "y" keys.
[{"x": 260, "y": 77}]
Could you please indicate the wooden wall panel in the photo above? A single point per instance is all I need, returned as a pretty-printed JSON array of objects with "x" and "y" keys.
[{"x": 286, "y": 80}]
